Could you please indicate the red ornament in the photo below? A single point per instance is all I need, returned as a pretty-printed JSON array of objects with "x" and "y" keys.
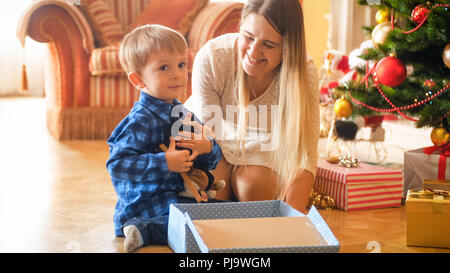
[
  {"x": 419, "y": 14},
  {"x": 390, "y": 71}
]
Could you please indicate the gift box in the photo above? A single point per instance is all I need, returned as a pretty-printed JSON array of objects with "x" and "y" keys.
[
  {"x": 436, "y": 184},
  {"x": 424, "y": 163},
  {"x": 357, "y": 188},
  {"x": 428, "y": 218},
  {"x": 259, "y": 226}
]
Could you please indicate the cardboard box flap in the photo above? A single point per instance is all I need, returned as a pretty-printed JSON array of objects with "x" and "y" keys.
[
  {"x": 200, "y": 243},
  {"x": 322, "y": 226},
  {"x": 271, "y": 208},
  {"x": 284, "y": 210},
  {"x": 179, "y": 231}
]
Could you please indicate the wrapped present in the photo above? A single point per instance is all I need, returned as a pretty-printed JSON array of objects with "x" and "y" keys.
[
  {"x": 436, "y": 184},
  {"x": 258, "y": 226},
  {"x": 363, "y": 187},
  {"x": 428, "y": 218},
  {"x": 425, "y": 163}
]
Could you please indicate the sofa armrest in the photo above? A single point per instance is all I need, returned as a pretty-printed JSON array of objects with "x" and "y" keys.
[
  {"x": 70, "y": 41},
  {"x": 215, "y": 19},
  {"x": 40, "y": 7}
]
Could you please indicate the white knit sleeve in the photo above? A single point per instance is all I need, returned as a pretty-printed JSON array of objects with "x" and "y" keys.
[{"x": 205, "y": 91}]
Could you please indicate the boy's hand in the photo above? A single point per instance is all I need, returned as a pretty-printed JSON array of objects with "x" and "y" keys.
[
  {"x": 177, "y": 160},
  {"x": 198, "y": 143}
]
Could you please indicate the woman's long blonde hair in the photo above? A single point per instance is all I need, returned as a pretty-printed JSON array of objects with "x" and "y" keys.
[{"x": 286, "y": 17}]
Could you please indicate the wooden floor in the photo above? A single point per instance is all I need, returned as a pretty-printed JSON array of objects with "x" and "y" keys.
[{"x": 57, "y": 196}]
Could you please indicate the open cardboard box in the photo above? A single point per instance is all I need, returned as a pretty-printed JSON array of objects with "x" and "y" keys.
[{"x": 260, "y": 226}]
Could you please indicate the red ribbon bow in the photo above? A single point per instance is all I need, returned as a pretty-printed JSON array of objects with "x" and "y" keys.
[{"x": 445, "y": 152}]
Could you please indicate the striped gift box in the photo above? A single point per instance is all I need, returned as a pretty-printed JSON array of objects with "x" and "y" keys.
[{"x": 365, "y": 187}]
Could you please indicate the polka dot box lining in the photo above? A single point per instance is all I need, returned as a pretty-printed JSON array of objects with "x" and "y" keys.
[{"x": 183, "y": 237}]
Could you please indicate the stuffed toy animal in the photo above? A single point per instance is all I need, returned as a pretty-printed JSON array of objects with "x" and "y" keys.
[
  {"x": 199, "y": 183},
  {"x": 202, "y": 185}
]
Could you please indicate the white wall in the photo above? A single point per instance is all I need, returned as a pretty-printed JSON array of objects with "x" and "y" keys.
[{"x": 11, "y": 53}]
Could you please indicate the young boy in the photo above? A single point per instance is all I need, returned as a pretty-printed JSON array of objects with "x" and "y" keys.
[{"x": 146, "y": 179}]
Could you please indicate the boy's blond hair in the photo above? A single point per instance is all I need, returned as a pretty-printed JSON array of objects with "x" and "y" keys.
[{"x": 138, "y": 44}]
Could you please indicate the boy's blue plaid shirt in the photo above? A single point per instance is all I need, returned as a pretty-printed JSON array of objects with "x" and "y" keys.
[{"x": 138, "y": 168}]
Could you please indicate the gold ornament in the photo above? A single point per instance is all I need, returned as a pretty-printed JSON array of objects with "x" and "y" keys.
[
  {"x": 380, "y": 33},
  {"x": 343, "y": 108},
  {"x": 320, "y": 200},
  {"x": 440, "y": 136},
  {"x": 382, "y": 16},
  {"x": 446, "y": 55}
]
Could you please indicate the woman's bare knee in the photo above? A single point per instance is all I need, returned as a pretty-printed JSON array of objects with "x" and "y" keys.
[
  {"x": 223, "y": 172},
  {"x": 253, "y": 183}
]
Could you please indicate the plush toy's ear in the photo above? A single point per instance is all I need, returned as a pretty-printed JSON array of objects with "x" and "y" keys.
[{"x": 199, "y": 177}]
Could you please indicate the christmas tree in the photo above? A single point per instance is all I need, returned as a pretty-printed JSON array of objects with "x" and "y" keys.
[{"x": 408, "y": 69}]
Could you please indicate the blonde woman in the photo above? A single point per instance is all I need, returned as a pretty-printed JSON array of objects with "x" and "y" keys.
[{"x": 262, "y": 88}]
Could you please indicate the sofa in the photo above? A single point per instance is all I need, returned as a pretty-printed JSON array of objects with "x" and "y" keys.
[{"x": 87, "y": 92}]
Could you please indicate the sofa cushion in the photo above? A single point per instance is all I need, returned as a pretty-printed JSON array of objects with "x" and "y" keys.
[
  {"x": 176, "y": 14},
  {"x": 127, "y": 11},
  {"x": 111, "y": 92},
  {"x": 214, "y": 20},
  {"x": 115, "y": 92},
  {"x": 107, "y": 29},
  {"x": 104, "y": 61}
]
